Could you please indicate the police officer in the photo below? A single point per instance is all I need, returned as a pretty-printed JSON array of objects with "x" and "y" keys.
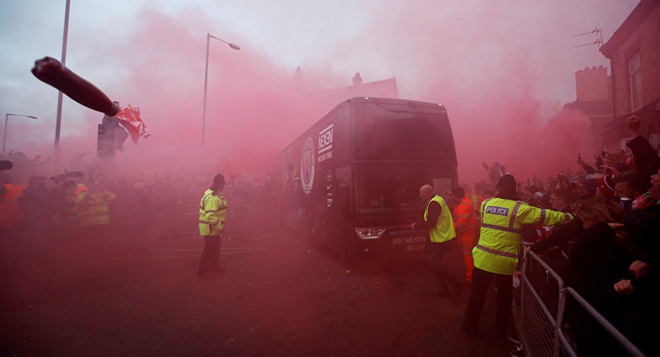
[
  {"x": 496, "y": 254},
  {"x": 98, "y": 239},
  {"x": 94, "y": 207},
  {"x": 438, "y": 221},
  {"x": 212, "y": 216}
]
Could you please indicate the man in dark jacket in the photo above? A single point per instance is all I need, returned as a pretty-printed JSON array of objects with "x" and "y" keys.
[
  {"x": 647, "y": 162},
  {"x": 36, "y": 205},
  {"x": 643, "y": 225}
]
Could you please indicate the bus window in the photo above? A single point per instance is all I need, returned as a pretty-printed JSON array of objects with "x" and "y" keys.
[
  {"x": 384, "y": 188},
  {"x": 401, "y": 132}
]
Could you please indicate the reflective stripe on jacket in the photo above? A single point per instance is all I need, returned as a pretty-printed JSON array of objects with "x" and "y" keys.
[
  {"x": 444, "y": 228},
  {"x": 94, "y": 208},
  {"x": 212, "y": 213},
  {"x": 465, "y": 217},
  {"x": 501, "y": 232}
]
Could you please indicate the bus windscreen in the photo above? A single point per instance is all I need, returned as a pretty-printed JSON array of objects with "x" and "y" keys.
[
  {"x": 389, "y": 131},
  {"x": 383, "y": 187}
]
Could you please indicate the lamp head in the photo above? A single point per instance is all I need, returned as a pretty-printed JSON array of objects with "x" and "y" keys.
[{"x": 233, "y": 46}]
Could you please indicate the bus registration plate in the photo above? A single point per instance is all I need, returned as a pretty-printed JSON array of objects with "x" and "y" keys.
[
  {"x": 418, "y": 246},
  {"x": 415, "y": 240}
]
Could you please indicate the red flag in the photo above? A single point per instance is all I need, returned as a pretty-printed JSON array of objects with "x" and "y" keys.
[{"x": 129, "y": 117}]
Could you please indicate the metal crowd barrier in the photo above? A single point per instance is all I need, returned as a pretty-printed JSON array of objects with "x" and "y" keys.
[{"x": 541, "y": 327}]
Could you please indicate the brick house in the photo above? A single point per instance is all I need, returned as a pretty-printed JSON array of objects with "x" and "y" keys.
[
  {"x": 594, "y": 98},
  {"x": 634, "y": 54}
]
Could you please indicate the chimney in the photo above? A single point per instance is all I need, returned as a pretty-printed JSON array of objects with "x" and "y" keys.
[
  {"x": 357, "y": 80},
  {"x": 592, "y": 84}
]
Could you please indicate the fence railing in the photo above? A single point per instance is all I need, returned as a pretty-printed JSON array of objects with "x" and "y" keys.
[{"x": 541, "y": 311}]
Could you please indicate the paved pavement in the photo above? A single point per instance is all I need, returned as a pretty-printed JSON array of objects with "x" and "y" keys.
[{"x": 278, "y": 297}]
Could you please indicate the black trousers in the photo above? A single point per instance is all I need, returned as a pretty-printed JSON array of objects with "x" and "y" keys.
[
  {"x": 442, "y": 274},
  {"x": 480, "y": 282},
  {"x": 210, "y": 261}
]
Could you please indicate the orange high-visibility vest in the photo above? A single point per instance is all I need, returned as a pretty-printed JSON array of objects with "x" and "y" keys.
[
  {"x": 9, "y": 211},
  {"x": 465, "y": 217}
]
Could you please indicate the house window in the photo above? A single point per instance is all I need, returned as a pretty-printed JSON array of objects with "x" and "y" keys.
[{"x": 635, "y": 82}]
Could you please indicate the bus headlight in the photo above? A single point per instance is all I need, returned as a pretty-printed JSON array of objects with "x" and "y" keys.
[{"x": 369, "y": 233}]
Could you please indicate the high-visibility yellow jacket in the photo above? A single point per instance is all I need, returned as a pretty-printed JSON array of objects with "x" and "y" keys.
[
  {"x": 465, "y": 216},
  {"x": 212, "y": 213},
  {"x": 443, "y": 230},
  {"x": 94, "y": 208},
  {"x": 501, "y": 232}
]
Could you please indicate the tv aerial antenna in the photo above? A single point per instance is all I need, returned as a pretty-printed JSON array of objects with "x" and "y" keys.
[{"x": 598, "y": 41}]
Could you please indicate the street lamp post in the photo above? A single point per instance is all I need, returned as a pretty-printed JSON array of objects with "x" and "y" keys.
[
  {"x": 4, "y": 138},
  {"x": 58, "y": 119},
  {"x": 206, "y": 79}
]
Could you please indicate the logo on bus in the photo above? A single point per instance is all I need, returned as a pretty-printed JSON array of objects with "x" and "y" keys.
[
  {"x": 307, "y": 165},
  {"x": 325, "y": 143},
  {"x": 325, "y": 138}
]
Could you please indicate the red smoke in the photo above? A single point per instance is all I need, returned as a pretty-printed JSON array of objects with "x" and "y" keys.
[
  {"x": 250, "y": 115},
  {"x": 491, "y": 65}
]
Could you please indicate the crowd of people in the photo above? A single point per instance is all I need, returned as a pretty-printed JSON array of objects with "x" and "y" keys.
[
  {"x": 91, "y": 215},
  {"x": 609, "y": 252}
]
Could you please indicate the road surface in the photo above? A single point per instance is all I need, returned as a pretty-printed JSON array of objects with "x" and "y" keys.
[{"x": 280, "y": 296}]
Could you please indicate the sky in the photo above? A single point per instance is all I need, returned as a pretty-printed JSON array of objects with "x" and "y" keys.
[{"x": 502, "y": 69}]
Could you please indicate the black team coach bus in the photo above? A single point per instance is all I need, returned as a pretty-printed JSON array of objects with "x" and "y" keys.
[{"x": 353, "y": 178}]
